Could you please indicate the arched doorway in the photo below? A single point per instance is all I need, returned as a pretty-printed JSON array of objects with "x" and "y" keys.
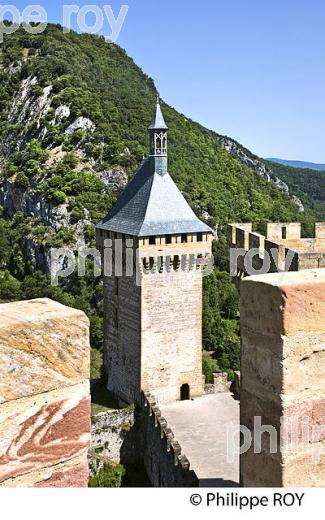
[{"x": 185, "y": 392}]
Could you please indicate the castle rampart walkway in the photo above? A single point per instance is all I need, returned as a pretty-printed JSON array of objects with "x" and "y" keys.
[{"x": 200, "y": 426}]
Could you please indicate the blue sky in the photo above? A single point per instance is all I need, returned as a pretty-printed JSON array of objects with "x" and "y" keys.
[{"x": 251, "y": 69}]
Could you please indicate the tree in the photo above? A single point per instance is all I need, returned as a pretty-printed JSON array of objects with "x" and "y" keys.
[
  {"x": 209, "y": 367},
  {"x": 220, "y": 319}
]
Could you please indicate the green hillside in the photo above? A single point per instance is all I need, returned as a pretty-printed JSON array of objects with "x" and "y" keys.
[
  {"x": 100, "y": 82},
  {"x": 47, "y": 82},
  {"x": 308, "y": 185}
]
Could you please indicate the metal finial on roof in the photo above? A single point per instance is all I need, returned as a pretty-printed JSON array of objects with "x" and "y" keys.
[{"x": 158, "y": 121}]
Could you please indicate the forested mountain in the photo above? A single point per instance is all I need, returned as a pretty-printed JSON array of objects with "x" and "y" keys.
[
  {"x": 73, "y": 117},
  {"x": 307, "y": 184},
  {"x": 298, "y": 164}
]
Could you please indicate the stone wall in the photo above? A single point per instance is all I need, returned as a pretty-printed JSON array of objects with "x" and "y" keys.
[
  {"x": 172, "y": 335},
  {"x": 282, "y": 249},
  {"x": 171, "y": 315},
  {"x": 112, "y": 437},
  {"x": 164, "y": 462},
  {"x": 122, "y": 336},
  {"x": 140, "y": 436},
  {"x": 283, "y": 378},
  {"x": 220, "y": 384},
  {"x": 44, "y": 395}
]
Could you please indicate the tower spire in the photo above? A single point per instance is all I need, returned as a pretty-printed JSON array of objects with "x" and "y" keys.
[{"x": 158, "y": 141}]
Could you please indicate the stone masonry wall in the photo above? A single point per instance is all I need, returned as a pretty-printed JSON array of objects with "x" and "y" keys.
[
  {"x": 122, "y": 321},
  {"x": 220, "y": 384},
  {"x": 283, "y": 378},
  {"x": 171, "y": 317},
  {"x": 172, "y": 335},
  {"x": 112, "y": 437},
  {"x": 142, "y": 436},
  {"x": 44, "y": 395},
  {"x": 164, "y": 462}
]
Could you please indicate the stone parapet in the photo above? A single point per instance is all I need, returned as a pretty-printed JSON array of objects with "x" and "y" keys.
[
  {"x": 237, "y": 384},
  {"x": 164, "y": 461},
  {"x": 283, "y": 378},
  {"x": 44, "y": 395}
]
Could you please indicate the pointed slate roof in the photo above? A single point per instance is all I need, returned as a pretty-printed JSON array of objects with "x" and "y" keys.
[
  {"x": 158, "y": 121},
  {"x": 152, "y": 204}
]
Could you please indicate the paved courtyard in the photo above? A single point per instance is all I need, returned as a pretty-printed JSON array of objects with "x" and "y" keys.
[{"x": 200, "y": 426}]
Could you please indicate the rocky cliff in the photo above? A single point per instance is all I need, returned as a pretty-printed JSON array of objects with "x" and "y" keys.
[{"x": 258, "y": 166}]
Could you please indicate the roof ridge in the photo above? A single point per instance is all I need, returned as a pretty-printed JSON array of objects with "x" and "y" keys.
[{"x": 147, "y": 205}]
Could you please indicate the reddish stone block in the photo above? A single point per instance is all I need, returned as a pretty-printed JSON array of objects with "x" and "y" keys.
[
  {"x": 305, "y": 423},
  {"x": 73, "y": 477},
  {"x": 44, "y": 431}
]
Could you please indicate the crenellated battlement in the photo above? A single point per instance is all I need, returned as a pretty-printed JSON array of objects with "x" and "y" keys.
[
  {"x": 127, "y": 255},
  {"x": 283, "y": 249},
  {"x": 175, "y": 262},
  {"x": 165, "y": 463}
]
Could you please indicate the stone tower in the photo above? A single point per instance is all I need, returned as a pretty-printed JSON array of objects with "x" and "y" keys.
[{"x": 155, "y": 249}]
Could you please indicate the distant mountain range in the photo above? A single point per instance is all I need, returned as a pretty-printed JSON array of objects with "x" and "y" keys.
[{"x": 298, "y": 164}]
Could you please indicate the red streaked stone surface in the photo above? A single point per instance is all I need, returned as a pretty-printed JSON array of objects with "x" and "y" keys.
[
  {"x": 44, "y": 431},
  {"x": 305, "y": 421},
  {"x": 44, "y": 395},
  {"x": 73, "y": 477}
]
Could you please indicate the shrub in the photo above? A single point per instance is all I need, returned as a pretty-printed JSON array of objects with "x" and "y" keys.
[
  {"x": 59, "y": 197},
  {"x": 77, "y": 214},
  {"x": 110, "y": 476},
  {"x": 9, "y": 288},
  {"x": 36, "y": 91},
  {"x": 22, "y": 181}
]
